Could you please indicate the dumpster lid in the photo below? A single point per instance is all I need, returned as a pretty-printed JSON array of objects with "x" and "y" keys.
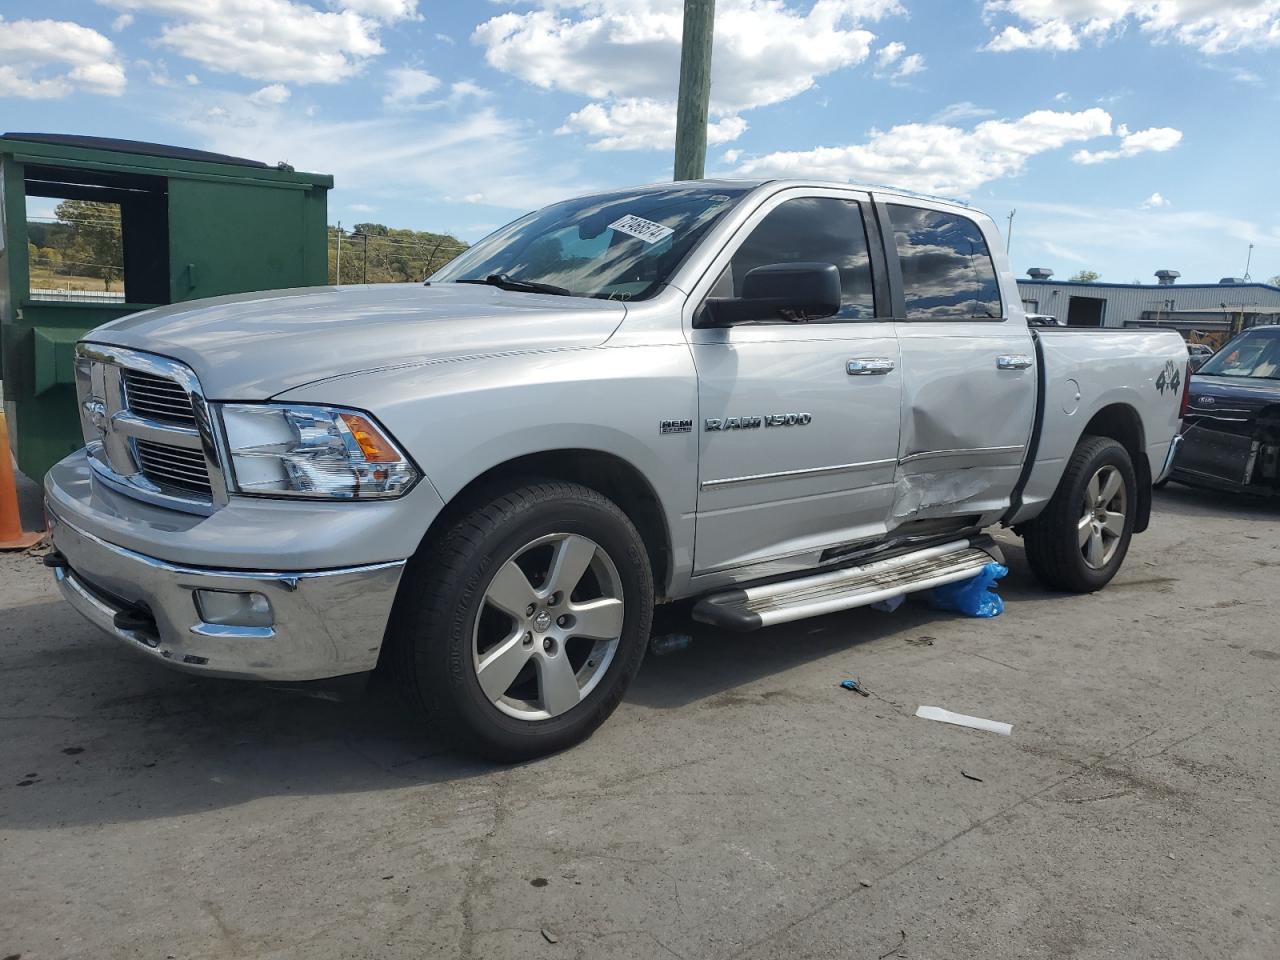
[{"x": 140, "y": 147}]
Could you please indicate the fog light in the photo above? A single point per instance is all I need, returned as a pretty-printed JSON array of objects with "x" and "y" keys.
[{"x": 234, "y": 609}]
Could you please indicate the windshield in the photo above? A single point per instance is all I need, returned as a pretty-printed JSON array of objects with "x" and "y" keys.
[
  {"x": 615, "y": 246},
  {"x": 1252, "y": 354}
]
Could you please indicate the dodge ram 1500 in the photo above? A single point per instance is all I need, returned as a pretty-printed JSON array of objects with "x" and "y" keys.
[{"x": 772, "y": 399}]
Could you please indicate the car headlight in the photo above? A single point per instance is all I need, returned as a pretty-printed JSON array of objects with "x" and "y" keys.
[{"x": 295, "y": 450}]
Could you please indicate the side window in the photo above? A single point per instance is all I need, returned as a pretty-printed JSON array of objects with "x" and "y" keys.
[
  {"x": 947, "y": 272},
  {"x": 821, "y": 229}
]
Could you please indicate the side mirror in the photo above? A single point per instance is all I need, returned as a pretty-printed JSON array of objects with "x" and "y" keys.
[{"x": 795, "y": 292}]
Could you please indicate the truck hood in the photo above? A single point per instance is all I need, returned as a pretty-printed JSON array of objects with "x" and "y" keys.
[{"x": 252, "y": 346}]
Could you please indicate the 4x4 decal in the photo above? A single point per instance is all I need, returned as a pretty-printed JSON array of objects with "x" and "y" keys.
[{"x": 1170, "y": 378}]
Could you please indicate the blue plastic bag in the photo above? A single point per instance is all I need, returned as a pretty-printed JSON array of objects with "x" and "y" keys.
[{"x": 974, "y": 597}]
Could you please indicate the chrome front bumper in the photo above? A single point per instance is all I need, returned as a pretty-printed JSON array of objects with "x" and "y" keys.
[{"x": 327, "y": 623}]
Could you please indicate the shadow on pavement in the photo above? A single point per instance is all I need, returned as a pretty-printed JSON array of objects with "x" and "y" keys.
[
  {"x": 105, "y": 737},
  {"x": 1184, "y": 501},
  {"x": 719, "y": 660}
]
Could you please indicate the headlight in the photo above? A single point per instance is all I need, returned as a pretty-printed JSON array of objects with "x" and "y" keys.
[{"x": 304, "y": 451}]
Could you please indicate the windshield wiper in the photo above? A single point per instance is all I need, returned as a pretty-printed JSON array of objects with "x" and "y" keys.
[{"x": 524, "y": 286}]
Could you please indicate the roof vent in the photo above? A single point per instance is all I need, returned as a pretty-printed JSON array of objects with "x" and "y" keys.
[
  {"x": 1231, "y": 281},
  {"x": 1039, "y": 273},
  {"x": 1166, "y": 277}
]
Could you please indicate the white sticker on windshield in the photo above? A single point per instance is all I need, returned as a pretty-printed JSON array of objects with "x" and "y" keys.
[{"x": 641, "y": 229}]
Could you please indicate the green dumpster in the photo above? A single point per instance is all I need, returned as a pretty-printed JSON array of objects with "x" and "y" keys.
[{"x": 136, "y": 225}]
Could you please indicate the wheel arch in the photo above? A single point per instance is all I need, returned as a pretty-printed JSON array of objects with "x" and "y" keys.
[
  {"x": 1122, "y": 423},
  {"x": 606, "y": 473}
]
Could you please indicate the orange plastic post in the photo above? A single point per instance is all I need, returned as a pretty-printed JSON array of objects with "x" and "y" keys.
[{"x": 12, "y": 536}]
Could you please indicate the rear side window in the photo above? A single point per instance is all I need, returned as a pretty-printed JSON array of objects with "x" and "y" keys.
[
  {"x": 821, "y": 229},
  {"x": 947, "y": 272}
]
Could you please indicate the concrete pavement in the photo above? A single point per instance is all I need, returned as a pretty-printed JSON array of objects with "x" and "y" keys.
[{"x": 739, "y": 804}]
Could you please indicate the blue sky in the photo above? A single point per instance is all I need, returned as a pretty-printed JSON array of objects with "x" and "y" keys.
[{"x": 1129, "y": 135}]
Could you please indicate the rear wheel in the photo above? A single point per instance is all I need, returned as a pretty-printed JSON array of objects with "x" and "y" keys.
[
  {"x": 520, "y": 628},
  {"x": 1080, "y": 540}
]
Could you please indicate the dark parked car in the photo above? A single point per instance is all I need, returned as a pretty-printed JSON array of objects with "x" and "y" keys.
[
  {"x": 1200, "y": 354},
  {"x": 1231, "y": 433}
]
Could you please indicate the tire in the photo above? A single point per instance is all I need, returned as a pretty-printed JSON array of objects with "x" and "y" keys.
[
  {"x": 462, "y": 624},
  {"x": 1078, "y": 543}
]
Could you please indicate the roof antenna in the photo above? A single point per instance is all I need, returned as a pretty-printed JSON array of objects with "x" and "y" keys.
[{"x": 1248, "y": 263}]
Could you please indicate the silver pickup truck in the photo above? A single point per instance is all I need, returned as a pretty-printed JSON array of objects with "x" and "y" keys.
[{"x": 773, "y": 400}]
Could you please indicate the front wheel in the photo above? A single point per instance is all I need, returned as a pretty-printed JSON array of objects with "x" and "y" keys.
[
  {"x": 521, "y": 627},
  {"x": 1080, "y": 540}
]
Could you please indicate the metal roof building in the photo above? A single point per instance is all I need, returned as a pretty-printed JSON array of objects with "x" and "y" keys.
[{"x": 1205, "y": 308}]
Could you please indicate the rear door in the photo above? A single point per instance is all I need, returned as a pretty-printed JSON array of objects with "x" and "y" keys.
[
  {"x": 969, "y": 380},
  {"x": 798, "y": 421}
]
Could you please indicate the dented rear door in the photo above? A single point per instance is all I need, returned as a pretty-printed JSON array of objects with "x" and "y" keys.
[{"x": 969, "y": 376}]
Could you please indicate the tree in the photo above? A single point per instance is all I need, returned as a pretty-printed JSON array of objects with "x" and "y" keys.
[
  {"x": 390, "y": 254},
  {"x": 1275, "y": 281},
  {"x": 95, "y": 240},
  {"x": 1086, "y": 276}
]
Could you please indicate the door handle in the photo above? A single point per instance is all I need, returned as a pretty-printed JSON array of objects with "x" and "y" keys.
[
  {"x": 869, "y": 367},
  {"x": 1016, "y": 362}
]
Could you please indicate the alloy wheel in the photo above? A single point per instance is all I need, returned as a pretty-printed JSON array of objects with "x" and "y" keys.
[
  {"x": 548, "y": 626},
  {"x": 1101, "y": 526}
]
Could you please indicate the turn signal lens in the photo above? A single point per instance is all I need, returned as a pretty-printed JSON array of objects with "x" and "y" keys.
[{"x": 376, "y": 447}]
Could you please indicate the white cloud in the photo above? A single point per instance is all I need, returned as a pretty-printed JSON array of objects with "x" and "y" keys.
[
  {"x": 1153, "y": 201},
  {"x": 889, "y": 53},
  {"x": 400, "y": 154},
  {"x": 192, "y": 80},
  {"x": 281, "y": 41},
  {"x": 731, "y": 156},
  {"x": 765, "y": 50},
  {"x": 625, "y": 57},
  {"x": 1061, "y": 97},
  {"x": 361, "y": 208},
  {"x": 388, "y": 11},
  {"x": 1154, "y": 139},
  {"x": 122, "y": 22},
  {"x": 407, "y": 85},
  {"x": 1050, "y": 35},
  {"x": 273, "y": 94},
  {"x": 964, "y": 110},
  {"x": 938, "y": 158},
  {"x": 50, "y": 59},
  {"x": 893, "y": 61},
  {"x": 912, "y": 63},
  {"x": 641, "y": 124},
  {"x": 1212, "y": 26}
]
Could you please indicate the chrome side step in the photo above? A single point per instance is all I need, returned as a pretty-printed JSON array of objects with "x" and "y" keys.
[{"x": 846, "y": 587}]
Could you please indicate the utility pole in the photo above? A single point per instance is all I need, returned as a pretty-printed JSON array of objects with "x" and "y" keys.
[
  {"x": 1008, "y": 234},
  {"x": 338, "y": 272},
  {"x": 695, "y": 89}
]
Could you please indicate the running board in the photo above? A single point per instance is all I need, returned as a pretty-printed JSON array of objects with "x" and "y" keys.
[{"x": 848, "y": 587}]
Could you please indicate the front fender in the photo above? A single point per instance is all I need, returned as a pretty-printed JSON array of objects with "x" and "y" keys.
[{"x": 462, "y": 418}]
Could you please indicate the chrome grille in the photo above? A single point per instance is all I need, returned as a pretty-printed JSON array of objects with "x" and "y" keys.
[
  {"x": 158, "y": 398},
  {"x": 173, "y": 467},
  {"x": 147, "y": 429}
]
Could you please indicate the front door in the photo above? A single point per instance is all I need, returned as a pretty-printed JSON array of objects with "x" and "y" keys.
[
  {"x": 798, "y": 421},
  {"x": 969, "y": 377}
]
